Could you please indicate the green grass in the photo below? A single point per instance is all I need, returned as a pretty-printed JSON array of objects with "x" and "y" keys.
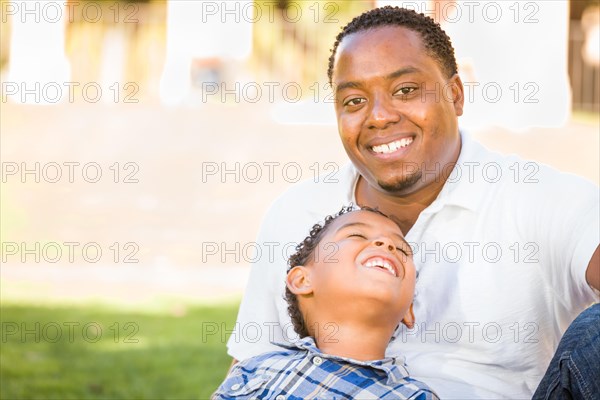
[{"x": 166, "y": 358}]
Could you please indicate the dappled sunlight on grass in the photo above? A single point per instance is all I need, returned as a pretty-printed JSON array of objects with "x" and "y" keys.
[{"x": 93, "y": 352}]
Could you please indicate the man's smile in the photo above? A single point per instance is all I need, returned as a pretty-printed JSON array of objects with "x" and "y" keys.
[{"x": 391, "y": 147}]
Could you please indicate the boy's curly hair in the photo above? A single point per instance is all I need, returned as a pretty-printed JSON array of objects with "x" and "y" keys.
[{"x": 304, "y": 251}]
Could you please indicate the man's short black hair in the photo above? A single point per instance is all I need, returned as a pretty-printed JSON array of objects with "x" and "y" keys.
[
  {"x": 303, "y": 254},
  {"x": 434, "y": 39}
]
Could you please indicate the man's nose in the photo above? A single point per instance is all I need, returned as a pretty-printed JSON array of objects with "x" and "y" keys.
[{"x": 382, "y": 113}]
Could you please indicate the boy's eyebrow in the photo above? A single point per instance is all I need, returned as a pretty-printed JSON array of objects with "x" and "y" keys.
[
  {"x": 393, "y": 75},
  {"x": 350, "y": 224}
]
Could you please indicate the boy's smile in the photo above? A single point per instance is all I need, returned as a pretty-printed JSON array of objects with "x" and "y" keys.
[{"x": 383, "y": 263}]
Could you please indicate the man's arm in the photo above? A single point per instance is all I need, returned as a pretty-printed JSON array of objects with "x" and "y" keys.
[{"x": 592, "y": 274}]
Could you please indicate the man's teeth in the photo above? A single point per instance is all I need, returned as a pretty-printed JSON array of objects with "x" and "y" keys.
[
  {"x": 393, "y": 146},
  {"x": 381, "y": 263}
]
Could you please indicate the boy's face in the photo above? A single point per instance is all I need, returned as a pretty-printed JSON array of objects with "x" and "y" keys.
[{"x": 363, "y": 263}]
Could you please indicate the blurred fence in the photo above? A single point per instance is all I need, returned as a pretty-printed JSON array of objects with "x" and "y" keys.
[
  {"x": 585, "y": 78},
  {"x": 290, "y": 45}
]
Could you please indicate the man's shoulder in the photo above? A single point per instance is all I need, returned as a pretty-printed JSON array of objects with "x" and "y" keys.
[
  {"x": 326, "y": 193},
  {"x": 536, "y": 182},
  {"x": 337, "y": 181},
  {"x": 528, "y": 178},
  {"x": 527, "y": 192}
]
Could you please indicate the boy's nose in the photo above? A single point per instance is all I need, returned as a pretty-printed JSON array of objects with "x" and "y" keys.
[{"x": 385, "y": 242}]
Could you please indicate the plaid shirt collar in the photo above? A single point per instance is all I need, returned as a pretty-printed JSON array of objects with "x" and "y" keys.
[{"x": 394, "y": 371}]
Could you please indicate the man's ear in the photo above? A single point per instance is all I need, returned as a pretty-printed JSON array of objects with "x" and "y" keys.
[
  {"x": 458, "y": 94},
  {"x": 409, "y": 318},
  {"x": 298, "y": 280}
]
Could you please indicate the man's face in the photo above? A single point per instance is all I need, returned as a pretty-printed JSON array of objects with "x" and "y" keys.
[
  {"x": 396, "y": 110},
  {"x": 363, "y": 262}
]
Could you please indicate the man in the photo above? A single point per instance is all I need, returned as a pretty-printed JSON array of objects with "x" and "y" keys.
[{"x": 506, "y": 250}]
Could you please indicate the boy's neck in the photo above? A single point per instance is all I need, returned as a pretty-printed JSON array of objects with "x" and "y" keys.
[{"x": 356, "y": 341}]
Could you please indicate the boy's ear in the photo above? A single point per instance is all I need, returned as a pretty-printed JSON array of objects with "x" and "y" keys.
[
  {"x": 409, "y": 318},
  {"x": 298, "y": 280}
]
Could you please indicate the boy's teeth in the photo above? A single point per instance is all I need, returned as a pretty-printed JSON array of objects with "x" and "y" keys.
[
  {"x": 381, "y": 264},
  {"x": 393, "y": 146}
]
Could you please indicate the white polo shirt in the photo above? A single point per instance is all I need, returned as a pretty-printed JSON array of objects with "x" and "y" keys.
[{"x": 501, "y": 257}]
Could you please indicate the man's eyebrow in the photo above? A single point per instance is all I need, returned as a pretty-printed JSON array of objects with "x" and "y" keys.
[
  {"x": 346, "y": 85},
  {"x": 393, "y": 75},
  {"x": 402, "y": 71}
]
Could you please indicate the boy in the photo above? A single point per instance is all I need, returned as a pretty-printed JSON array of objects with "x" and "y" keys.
[{"x": 350, "y": 283}]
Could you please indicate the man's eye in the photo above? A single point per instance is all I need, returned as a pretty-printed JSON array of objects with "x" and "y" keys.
[
  {"x": 354, "y": 102},
  {"x": 405, "y": 90}
]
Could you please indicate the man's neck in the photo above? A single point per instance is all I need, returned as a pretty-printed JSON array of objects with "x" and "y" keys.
[
  {"x": 404, "y": 208},
  {"x": 363, "y": 342}
]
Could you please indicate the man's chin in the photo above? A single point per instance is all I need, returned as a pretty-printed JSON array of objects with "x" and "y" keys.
[{"x": 400, "y": 184}]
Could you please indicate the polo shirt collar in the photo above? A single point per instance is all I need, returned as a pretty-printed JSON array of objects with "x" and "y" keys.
[
  {"x": 459, "y": 190},
  {"x": 465, "y": 187}
]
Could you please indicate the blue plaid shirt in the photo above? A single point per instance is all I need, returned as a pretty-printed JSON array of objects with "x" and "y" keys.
[{"x": 303, "y": 372}]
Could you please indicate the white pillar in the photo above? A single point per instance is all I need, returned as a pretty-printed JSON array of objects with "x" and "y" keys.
[
  {"x": 512, "y": 56},
  {"x": 202, "y": 30},
  {"x": 37, "y": 49},
  {"x": 520, "y": 51}
]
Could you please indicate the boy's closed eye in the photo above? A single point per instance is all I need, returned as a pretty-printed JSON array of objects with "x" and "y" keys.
[{"x": 362, "y": 236}]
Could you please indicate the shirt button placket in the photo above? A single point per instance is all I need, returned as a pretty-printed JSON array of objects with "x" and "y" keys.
[
  {"x": 280, "y": 397},
  {"x": 317, "y": 361},
  {"x": 235, "y": 386}
]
